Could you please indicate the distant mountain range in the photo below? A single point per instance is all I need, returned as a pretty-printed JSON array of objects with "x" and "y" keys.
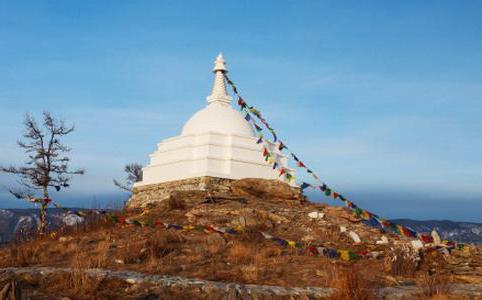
[
  {"x": 20, "y": 221},
  {"x": 463, "y": 232},
  {"x": 17, "y": 221}
]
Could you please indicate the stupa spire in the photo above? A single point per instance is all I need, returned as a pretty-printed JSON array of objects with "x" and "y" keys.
[{"x": 219, "y": 93}]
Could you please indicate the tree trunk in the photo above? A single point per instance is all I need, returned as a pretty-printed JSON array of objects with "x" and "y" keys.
[{"x": 43, "y": 211}]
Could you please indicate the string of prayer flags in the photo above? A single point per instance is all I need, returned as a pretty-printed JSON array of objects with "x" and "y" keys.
[
  {"x": 345, "y": 255},
  {"x": 333, "y": 253},
  {"x": 359, "y": 212}
]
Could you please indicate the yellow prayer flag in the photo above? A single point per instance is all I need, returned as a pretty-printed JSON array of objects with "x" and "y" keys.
[{"x": 344, "y": 255}]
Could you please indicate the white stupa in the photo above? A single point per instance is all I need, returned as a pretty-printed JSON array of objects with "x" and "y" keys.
[{"x": 217, "y": 141}]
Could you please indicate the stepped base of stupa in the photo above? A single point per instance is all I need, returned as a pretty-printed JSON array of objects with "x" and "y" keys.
[{"x": 196, "y": 190}]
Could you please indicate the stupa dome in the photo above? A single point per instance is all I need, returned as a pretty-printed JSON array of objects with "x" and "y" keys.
[{"x": 219, "y": 118}]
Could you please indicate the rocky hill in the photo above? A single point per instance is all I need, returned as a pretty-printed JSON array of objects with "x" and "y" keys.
[{"x": 259, "y": 239}]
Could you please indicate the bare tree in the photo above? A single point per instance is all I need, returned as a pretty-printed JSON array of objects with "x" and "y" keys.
[
  {"x": 134, "y": 174},
  {"x": 47, "y": 163}
]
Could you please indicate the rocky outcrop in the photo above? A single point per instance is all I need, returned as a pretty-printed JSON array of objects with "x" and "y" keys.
[
  {"x": 193, "y": 191},
  {"x": 32, "y": 275},
  {"x": 238, "y": 291}
]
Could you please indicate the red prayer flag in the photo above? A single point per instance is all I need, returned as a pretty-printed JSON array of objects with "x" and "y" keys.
[
  {"x": 426, "y": 238},
  {"x": 313, "y": 250}
]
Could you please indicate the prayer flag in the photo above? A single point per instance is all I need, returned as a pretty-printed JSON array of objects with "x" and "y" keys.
[
  {"x": 281, "y": 241},
  {"x": 241, "y": 102},
  {"x": 313, "y": 250},
  {"x": 304, "y": 185},
  {"x": 426, "y": 238},
  {"x": 344, "y": 255}
]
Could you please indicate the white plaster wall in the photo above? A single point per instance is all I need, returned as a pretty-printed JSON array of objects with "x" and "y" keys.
[{"x": 208, "y": 154}]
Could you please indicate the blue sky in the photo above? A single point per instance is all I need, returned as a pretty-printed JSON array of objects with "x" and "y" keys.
[{"x": 382, "y": 99}]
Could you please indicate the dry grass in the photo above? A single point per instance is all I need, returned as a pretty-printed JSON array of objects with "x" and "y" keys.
[
  {"x": 150, "y": 250},
  {"x": 434, "y": 285},
  {"x": 240, "y": 253},
  {"x": 402, "y": 263},
  {"x": 350, "y": 284},
  {"x": 23, "y": 255},
  {"x": 78, "y": 281}
]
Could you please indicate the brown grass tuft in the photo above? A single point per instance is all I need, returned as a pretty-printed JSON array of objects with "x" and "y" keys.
[
  {"x": 402, "y": 263},
  {"x": 78, "y": 280},
  {"x": 349, "y": 284},
  {"x": 24, "y": 255},
  {"x": 240, "y": 253},
  {"x": 433, "y": 285}
]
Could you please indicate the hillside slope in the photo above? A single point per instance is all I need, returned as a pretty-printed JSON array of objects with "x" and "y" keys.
[{"x": 259, "y": 234}]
